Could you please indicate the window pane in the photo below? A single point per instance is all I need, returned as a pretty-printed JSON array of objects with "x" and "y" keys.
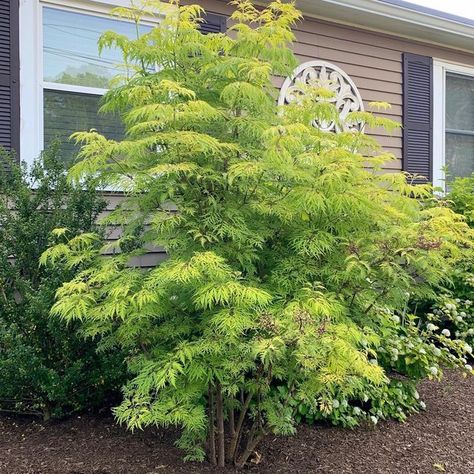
[
  {"x": 70, "y": 47},
  {"x": 459, "y": 102},
  {"x": 68, "y": 112},
  {"x": 459, "y": 155}
]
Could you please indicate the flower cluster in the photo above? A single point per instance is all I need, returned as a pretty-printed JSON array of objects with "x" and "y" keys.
[
  {"x": 456, "y": 317},
  {"x": 370, "y": 404}
]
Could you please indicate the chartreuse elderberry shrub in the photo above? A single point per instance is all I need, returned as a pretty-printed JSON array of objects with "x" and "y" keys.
[
  {"x": 45, "y": 368},
  {"x": 290, "y": 252}
]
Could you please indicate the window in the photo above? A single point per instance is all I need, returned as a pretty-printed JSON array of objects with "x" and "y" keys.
[
  {"x": 459, "y": 150},
  {"x": 453, "y": 150},
  {"x": 63, "y": 75}
]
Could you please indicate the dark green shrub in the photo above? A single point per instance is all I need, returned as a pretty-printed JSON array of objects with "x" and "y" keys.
[{"x": 45, "y": 367}]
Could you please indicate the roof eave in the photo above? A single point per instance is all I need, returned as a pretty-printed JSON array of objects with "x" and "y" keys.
[{"x": 396, "y": 19}]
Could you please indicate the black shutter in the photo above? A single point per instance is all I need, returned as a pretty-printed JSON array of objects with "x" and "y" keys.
[
  {"x": 213, "y": 23},
  {"x": 9, "y": 76},
  {"x": 418, "y": 115}
]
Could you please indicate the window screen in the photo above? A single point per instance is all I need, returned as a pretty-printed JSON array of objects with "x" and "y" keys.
[
  {"x": 69, "y": 112},
  {"x": 459, "y": 125}
]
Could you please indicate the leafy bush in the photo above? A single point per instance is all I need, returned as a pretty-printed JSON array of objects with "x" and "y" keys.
[
  {"x": 291, "y": 254},
  {"x": 45, "y": 368},
  {"x": 452, "y": 308},
  {"x": 456, "y": 316},
  {"x": 461, "y": 197},
  {"x": 408, "y": 352},
  {"x": 393, "y": 400}
]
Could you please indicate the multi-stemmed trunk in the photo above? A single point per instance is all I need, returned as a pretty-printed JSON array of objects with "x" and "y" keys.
[{"x": 217, "y": 452}]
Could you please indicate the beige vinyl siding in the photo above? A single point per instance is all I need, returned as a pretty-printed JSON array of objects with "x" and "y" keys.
[{"x": 154, "y": 255}]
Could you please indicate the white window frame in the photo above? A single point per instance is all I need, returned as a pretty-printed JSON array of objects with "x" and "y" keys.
[
  {"x": 31, "y": 65},
  {"x": 440, "y": 69}
]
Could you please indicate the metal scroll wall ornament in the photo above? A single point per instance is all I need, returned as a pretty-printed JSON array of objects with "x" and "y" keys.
[{"x": 327, "y": 76}]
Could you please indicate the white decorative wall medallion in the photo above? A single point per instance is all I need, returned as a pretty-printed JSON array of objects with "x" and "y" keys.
[{"x": 328, "y": 76}]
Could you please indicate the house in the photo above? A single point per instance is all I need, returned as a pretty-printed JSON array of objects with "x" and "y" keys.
[{"x": 418, "y": 59}]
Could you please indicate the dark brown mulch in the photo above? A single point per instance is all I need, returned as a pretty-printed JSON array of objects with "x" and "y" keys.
[{"x": 439, "y": 440}]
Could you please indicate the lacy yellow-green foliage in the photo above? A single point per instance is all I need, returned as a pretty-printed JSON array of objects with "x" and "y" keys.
[{"x": 289, "y": 249}]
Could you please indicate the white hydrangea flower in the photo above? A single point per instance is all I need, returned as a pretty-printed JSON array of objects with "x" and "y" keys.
[
  {"x": 446, "y": 332},
  {"x": 422, "y": 351},
  {"x": 433, "y": 370},
  {"x": 373, "y": 361},
  {"x": 335, "y": 403},
  {"x": 374, "y": 419},
  {"x": 468, "y": 348},
  {"x": 459, "y": 319},
  {"x": 470, "y": 331},
  {"x": 431, "y": 327},
  {"x": 468, "y": 367},
  {"x": 463, "y": 314},
  {"x": 437, "y": 351},
  {"x": 357, "y": 411},
  {"x": 396, "y": 319}
]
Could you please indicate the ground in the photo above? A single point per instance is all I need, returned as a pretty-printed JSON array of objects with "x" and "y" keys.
[{"x": 438, "y": 440}]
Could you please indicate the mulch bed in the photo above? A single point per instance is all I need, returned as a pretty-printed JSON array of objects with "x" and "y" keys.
[{"x": 438, "y": 440}]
